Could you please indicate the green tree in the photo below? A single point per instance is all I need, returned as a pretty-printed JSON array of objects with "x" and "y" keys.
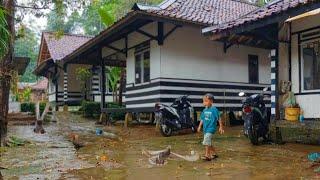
[
  {"x": 96, "y": 16},
  {"x": 27, "y": 46},
  {"x": 58, "y": 21},
  {"x": 114, "y": 75},
  {"x": 4, "y": 33},
  {"x": 83, "y": 75},
  {"x": 100, "y": 14},
  {"x": 91, "y": 23}
]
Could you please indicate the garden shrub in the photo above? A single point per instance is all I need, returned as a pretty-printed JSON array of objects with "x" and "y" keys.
[
  {"x": 42, "y": 107},
  {"x": 116, "y": 115},
  {"x": 92, "y": 109},
  {"x": 28, "y": 107}
]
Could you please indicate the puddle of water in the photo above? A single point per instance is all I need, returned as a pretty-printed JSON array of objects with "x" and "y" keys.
[{"x": 39, "y": 160}]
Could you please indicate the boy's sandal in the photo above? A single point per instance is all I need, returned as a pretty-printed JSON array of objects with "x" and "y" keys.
[
  {"x": 214, "y": 156},
  {"x": 205, "y": 158}
]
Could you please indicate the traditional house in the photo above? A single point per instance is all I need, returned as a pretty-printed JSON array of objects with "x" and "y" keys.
[
  {"x": 292, "y": 29},
  {"x": 167, "y": 56},
  {"x": 53, "y": 48},
  {"x": 39, "y": 90}
]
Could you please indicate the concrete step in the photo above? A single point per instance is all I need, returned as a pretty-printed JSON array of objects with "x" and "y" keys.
[{"x": 21, "y": 117}]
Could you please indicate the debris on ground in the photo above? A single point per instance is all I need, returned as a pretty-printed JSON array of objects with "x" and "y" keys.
[
  {"x": 314, "y": 157},
  {"x": 39, "y": 127},
  {"x": 75, "y": 141},
  {"x": 97, "y": 131},
  {"x": 57, "y": 146},
  {"x": 192, "y": 157},
  {"x": 159, "y": 157},
  {"x": 149, "y": 153}
]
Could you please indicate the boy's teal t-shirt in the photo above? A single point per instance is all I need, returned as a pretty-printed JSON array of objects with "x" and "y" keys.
[{"x": 210, "y": 117}]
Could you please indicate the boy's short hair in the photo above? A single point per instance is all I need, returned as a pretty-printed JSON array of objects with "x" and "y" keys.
[{"x": 209, "y": 96}]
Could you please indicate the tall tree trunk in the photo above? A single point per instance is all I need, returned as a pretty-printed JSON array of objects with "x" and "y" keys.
[{"x": 5, "y": 71}]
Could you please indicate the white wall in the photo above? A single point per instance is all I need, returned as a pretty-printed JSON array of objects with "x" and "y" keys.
[
  {"x": 308, "y": 102},
  {"x": 135, "y": 39},
  {"x": 187, "y": 54}
]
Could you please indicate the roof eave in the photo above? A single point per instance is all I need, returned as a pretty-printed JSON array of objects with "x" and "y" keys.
[
  {"x": 132, "y": 16},
  {"x": 259, "y": 23},
  {"x": 42, "y": 67}
]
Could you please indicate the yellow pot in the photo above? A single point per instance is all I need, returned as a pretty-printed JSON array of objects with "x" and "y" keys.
[{"x": 292, "y": 114}]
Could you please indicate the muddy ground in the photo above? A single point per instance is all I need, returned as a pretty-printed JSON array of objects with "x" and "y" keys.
[{"x": 53, "y": 156}]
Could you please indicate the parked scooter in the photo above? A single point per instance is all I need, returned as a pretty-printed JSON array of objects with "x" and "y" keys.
[
  {"x": 256, "y": 117},
  {"x": 176, "y": 117}
]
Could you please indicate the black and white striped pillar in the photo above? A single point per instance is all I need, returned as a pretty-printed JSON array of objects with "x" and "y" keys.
[
  {"x": 95, "y": 82},
  {"x": 65, "y": 85},
  {"x": 274, "y": 82}
]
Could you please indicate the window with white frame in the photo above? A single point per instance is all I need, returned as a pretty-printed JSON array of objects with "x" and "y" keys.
[
  {"x": 142, "y": 63},
  {"x": 310, "y": 65}
]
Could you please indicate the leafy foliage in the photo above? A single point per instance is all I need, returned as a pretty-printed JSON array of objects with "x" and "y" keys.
[
  {"x": 42, "y": 106},
  {"x": 92, "y": 109},
  {"x": 83, "y": 75},
  {"x": 25, "y": 96},
  {"x": 14, "y": 83},
  {"x": 4, "y": 33},
  {"x": 31, "y": 107},
  {"x": 96, "y": 16},
  {"x": 114, "y": 75},
  {"x": 28, "y": 107},
  {"x": 60, "y": 22},
  {"x": 27, "y": 46}
]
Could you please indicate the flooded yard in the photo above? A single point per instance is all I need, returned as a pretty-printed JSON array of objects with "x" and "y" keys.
[{"x": 53, "y": 155}]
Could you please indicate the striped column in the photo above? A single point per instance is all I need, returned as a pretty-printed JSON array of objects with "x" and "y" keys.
[
  {"x": 95, "y": 82},
  {"x": 274, "y": 72},
  {"x": 65, "y": 85}
]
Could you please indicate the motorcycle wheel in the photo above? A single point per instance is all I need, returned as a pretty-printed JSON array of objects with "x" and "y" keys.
[
  {"x": 165, "y": 130},
  {"x": 253, "y": 135}
]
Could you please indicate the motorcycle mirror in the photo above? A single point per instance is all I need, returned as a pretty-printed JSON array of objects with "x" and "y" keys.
[
  {"x": 265, "y": 89},
  {"x": 241, "y": 94}
]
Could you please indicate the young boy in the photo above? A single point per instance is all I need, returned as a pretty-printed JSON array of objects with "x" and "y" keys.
[{"x": 209, "y": 118}]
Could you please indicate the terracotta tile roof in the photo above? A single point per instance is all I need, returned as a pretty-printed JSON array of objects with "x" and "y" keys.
[
  {"x": 63, "y": 46},
  {"x": 205, "y": 12},
  {"x": 40, "y": 85},
  {"x": 23, "y": 85},
  {"x": 272, "y": 8}
]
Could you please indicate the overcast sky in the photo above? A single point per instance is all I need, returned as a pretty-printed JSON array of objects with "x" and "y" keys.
[{"x": 31, "y": 21}]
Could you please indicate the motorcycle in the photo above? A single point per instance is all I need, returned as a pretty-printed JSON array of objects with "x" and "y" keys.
[
  {"x": 256, "y": 117},
  {"x": 178, "y": 116}
]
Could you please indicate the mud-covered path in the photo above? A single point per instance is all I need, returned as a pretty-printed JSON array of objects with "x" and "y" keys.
[{"x": 53, "y": 156}]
